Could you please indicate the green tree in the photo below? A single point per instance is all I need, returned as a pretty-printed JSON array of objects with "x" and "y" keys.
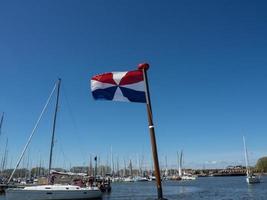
[{"x": 262, "y": 164}]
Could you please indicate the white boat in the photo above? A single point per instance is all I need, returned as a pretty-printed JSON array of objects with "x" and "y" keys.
[
  {"x": 251, "y": 178},
  {"x": 51, "y": 191},
  {"x": 188, "y": 177},
  {"x": 128, "y": 179},
  {"x": 183, "y": 175},
  {"x": 152, "y": 178},
  {"x": 140, "y": 179}
]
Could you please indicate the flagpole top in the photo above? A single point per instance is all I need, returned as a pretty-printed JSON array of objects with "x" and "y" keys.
[{"x": 144, "y": 66}]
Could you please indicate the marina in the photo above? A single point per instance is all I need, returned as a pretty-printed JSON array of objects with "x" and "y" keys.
[{"x": 133, "y": 100}]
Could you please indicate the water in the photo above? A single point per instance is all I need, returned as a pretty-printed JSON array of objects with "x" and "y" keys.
[{"x": 208, "y": 188}]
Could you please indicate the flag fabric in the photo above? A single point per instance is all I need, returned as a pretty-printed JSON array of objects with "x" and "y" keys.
[{"x": 119, "y": 86}]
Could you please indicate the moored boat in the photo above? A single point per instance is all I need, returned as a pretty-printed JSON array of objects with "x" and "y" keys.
[
  {"x": 251, "y": 178},
  {"x": 182, "y": 174},
  {"x": 140, "y": 179},
  {"x": 53, "y": 192},
  {"x": 128, "y": 179},
  {"x": 188, "y": 177}
]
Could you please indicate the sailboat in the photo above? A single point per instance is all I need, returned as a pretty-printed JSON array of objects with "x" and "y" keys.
[
  {"x": 251, "y": 178},
  {"x": 51, "y": 191},
  {"x": 129, "y": 178},
  {"x": 183, "y": 175}
]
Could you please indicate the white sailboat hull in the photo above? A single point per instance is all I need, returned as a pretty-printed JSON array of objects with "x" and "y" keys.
[
  {"x": 140, "y": 179},
  {"x": 253, "y": 179},
  {"x": 128, "y": 179},
  {"x": 53, "y": 193},
  {"x": 185, "y": 177}
]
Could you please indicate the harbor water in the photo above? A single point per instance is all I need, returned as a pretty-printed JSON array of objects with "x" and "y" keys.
[{"x": 206, "y": 188}]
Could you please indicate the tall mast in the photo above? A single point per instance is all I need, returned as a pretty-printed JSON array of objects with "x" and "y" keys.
[
  {"x": 131, "y": 168},
  {"x": 111, "y": 162},
  {"x": 4, "y": 159},
  {"x": 178, "y": 161},
  {"x": 54, "y": 127},
  {"x": 246, "y": 155},
  {"x": 180, "y": 164},
  {"x": 166, "y": 165},
  {"x": 124, "y": 171},
  {"x": 1, "y": 122},
  {"x": 118, "y": 167},
  {"x": 90, "y": 167}
]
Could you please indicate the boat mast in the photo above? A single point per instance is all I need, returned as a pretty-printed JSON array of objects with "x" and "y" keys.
[
  {"x": 1, "y": 123},
  {"x": 246, "y": 155},
  {"x": 166, "y": 165},
  {"x": 180, "y": 164},
  {"x": 131, "y": 168},
  {"x": 90, "y": 167},
  {"x": 177, "y": 161},
  {"x": 124, "y": 171},
  {"x": 4, "y": 159},
  {"x": 54, "y": 128}
]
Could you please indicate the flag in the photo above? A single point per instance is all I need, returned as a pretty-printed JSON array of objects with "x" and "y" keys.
[{"x": 119, "y": 86}]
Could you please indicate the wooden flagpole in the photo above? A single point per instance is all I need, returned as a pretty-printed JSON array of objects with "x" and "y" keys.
[{"x": 144, "y": 67}]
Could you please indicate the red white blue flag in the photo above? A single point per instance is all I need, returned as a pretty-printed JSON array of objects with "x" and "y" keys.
[{"x": 119, "y": 86}]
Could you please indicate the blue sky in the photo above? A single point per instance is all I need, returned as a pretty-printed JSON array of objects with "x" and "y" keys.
[{"x": 207, "y": 78}]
